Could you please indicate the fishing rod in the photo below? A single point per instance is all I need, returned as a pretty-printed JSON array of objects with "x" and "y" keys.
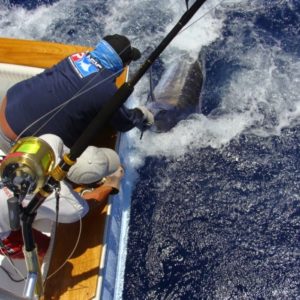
[
  {"x": 104, "y": 115},
  {"x": 97, "y": 125}
]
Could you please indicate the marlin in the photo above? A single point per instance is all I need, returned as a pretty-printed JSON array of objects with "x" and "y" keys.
[{"x": 177, "y": 94}]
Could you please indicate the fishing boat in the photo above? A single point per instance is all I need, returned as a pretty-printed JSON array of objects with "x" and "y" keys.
[
  {"x": 73, "y": 265},
  {"x": 86, "y": 267}
]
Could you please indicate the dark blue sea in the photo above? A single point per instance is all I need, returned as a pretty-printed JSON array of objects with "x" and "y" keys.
[{"x": 215, "y": 206}]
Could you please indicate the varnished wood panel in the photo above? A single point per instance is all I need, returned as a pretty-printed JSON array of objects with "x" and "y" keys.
[
  {"x": 38, "y": 54},
  {"x": 77, "y": 280}
]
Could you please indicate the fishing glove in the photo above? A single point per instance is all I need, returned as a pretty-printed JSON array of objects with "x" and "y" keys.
[
  {"x": 113, "y": 180},
  {"x": 147, "y": 120}
]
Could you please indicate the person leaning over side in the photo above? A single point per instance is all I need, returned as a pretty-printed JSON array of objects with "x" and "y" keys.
[
  {"x": 63, "y": 99},
  {"x": 97, "y": 171}
]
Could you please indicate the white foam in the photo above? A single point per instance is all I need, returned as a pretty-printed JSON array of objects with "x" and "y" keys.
[
  {"x": 200, "y": 31},
  {"x": 25, "y": 23},
  {"x": 262, "y": 96}
]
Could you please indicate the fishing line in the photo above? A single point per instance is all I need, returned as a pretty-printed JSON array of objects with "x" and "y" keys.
[
  {"x": 61, "y": 106},
  {"x": 56, "y": 110},
  {"x": 193, "y": 23},
  {"x": 61, "y": 266},
  {"x": 75, "y": 245},
  {"x": 82, "y": 91},
  {"x": 151, "y": 93},
  {"x": 78, "y": 238},
  {"x": 79, "y": 93}
]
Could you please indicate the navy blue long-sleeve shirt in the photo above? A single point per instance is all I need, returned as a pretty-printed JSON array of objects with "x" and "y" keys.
[{"x": 78, "y": 77}]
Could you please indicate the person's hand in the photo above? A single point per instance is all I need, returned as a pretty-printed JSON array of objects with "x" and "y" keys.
[
  {"x": 114, "y": 179},
  {"x": 148, "y": 118}
]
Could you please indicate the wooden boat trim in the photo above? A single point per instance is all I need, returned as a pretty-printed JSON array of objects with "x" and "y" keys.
[{"x": 40, "y": 54}]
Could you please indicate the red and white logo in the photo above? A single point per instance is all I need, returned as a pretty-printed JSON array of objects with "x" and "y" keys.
[{"x": 77, "y": 56}]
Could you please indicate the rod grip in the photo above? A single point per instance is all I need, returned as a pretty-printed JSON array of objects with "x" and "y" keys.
[{"x": 14, "y": 213}]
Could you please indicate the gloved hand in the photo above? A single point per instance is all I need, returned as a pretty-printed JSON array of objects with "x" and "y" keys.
[
  {"x": 148, "y": 118},
  {"x": 114, "y": 179}
]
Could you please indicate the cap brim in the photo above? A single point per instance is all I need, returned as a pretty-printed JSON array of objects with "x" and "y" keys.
[
  {"x": 112, "y": 159},
  {"x": 135, "y": 53}
]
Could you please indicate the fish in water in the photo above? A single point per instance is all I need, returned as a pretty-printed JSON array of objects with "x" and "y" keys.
[{"x": 177, "y": 94}]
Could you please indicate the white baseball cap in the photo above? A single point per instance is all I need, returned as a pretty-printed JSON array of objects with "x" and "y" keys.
[
  {"x": 91, "y": 166},
  {"x": 94, "y": 164}
]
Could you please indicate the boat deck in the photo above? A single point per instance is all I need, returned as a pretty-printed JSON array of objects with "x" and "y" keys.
[{"x": 78, "y": 278}]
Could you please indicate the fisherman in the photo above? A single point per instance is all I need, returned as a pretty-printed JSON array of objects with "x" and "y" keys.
[
  {"x": 64, "y": 99},
  {"x": 97, "y": 170}
]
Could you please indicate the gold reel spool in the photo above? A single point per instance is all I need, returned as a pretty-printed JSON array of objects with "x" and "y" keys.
[{"x": 27, "y": 165}]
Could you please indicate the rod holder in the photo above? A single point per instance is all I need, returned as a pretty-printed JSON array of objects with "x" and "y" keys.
[{"x": 34, "y": 281}]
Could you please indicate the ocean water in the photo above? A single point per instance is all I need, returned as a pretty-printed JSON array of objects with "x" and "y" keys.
[{"x": 215, "y": 202}]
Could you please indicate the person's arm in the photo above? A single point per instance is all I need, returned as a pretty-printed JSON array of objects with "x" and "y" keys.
[
  {"x": 125, "y": 119},
  {"x": 99, "y": 194},
  {"x": 111, "y": 185},
  {"x": 97, "y": 197}
]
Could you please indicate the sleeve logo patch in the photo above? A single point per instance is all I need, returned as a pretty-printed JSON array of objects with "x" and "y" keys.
[{"x": 82, "y": 65}]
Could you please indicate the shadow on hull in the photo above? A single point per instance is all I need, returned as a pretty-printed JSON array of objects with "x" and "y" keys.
[{"x": 177, "y": 94}]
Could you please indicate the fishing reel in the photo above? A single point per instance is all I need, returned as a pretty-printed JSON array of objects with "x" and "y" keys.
[{"x": 25, "y": 169}]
